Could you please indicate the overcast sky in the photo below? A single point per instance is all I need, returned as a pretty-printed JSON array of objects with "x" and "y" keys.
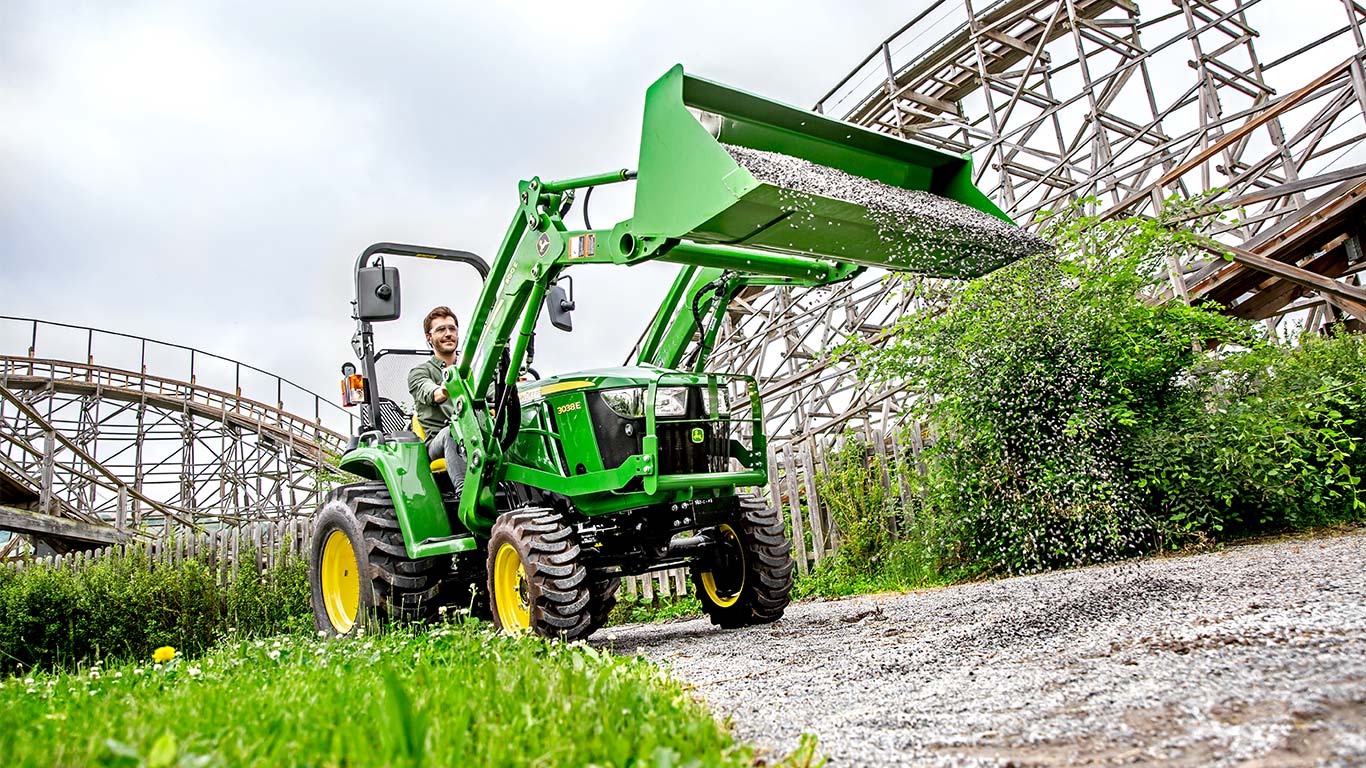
[{"x": 206, "y": 173}]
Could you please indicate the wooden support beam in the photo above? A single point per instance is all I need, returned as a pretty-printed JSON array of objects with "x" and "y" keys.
[
  {"x": 1348, "y": 297},
  {"x": 1270, "y": 299},
  {"x": 1299, "y": 185},
  {"x": 49, "y": 527},
  {"x": 51, "y": 434},
  {"x": 1229, "y": 138}
]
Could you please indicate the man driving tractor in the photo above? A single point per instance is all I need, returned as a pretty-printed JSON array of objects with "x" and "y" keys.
[{"x": 431, "y": 402}]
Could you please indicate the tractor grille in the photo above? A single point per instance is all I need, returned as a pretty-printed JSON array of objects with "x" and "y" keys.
[
  {"x": 680, "y": 455},
  {"x": 678, "y": 452}
]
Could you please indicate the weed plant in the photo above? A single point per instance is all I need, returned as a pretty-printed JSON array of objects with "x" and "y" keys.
[
  {"x": 632, "y": 610},
  {"x": 880, "y": 547},
  {"x": 456, "y": 694}
]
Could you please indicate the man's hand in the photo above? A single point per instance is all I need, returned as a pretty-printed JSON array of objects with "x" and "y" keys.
[{"x": 440, "y": 395}]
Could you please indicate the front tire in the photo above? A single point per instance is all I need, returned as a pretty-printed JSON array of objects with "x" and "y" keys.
[
  {"x": 749, "y": 580},
  {"x": 535, "y": 578}
]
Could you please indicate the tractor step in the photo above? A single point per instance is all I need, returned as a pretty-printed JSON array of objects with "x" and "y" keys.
[{"x": 445, "y": 545}]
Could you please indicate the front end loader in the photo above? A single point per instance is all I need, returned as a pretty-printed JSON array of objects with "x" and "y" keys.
[{"x": 575, "y": 481}]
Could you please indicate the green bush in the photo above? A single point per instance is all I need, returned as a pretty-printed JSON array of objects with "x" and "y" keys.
[
  {"x": 865, "y": 512},
  {"x": 905, "y": 564},
  {"x": 123, "y": 607},
  {"x": 1080, "y": 420},
  {"x": 1268, "y": 439},
  {"x": 881, "y": 547}
]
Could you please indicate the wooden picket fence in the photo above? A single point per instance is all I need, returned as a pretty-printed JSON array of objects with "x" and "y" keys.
[
  {"x": 223, "y": 550},
  {"x": 672, "y": 584},
  {"x": 793, "y": 489}
]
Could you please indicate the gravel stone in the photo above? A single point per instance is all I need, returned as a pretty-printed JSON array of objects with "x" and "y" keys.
[
  {"x": 920, "y": 231},
  {"x": 1255, "y": 655}
]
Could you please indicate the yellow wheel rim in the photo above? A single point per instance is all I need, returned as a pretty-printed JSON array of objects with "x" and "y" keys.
[
  {"x": 510, "y": 590},
  {"x": 709, "y": 581},
  {"x": 340, "y": 582}
]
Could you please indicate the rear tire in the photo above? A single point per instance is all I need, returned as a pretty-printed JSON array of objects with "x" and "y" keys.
[
  {"x": 751, "y": 579},
  {"x": 359, "y": 570},
  {"x": 535, "y": 579}
]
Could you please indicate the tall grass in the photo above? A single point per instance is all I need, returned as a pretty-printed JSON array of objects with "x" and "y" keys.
[{"x": 456, "y": 694}]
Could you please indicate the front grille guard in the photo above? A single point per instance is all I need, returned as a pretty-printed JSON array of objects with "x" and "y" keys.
[{"x": 721, "y": 447}]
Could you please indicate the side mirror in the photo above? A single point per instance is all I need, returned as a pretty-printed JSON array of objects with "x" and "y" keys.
[
  {"x": 377, "y": 295},
  {"x": 559, "y": 304}
]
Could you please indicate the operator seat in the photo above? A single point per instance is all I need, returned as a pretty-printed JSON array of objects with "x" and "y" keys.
[{"x": 439, "y": 465}]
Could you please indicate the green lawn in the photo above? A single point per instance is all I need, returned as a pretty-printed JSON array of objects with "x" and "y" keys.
[{"x": 454, "y": 695}]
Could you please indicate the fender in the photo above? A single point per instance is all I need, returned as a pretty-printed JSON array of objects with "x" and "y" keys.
[{"x": 422, "y": 518}]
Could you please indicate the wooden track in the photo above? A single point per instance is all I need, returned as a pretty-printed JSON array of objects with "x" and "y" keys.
[{"x": 92, "y": 454}]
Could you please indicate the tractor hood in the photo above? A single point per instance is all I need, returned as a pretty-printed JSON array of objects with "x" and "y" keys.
[
  {"x": 639, "y": 430},
  {"x": 610, "y": 378}
]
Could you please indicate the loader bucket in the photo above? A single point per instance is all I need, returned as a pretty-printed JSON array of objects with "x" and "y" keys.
[{"x": 718, "y": 165}]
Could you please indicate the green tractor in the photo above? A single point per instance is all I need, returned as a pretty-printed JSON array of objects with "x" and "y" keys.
[{"x": 575, "y": 481}]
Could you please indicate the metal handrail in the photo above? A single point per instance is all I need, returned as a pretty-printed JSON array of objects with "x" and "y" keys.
[
  {"x": 111, "y": 377},
  {"x": 334, "y": 410}
]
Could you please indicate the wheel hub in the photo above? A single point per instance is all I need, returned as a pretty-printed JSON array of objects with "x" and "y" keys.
[
  {"x": 511, "y": 598},
  {"x": 340, "y": 582},
  {"x": 726, "y": 579}
]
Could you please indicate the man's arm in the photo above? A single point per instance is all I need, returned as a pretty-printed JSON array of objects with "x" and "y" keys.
[{"x": 424, "y": 389}]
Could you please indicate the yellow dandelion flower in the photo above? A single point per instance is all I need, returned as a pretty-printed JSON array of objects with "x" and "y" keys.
[{"x": 163, "y": 654}]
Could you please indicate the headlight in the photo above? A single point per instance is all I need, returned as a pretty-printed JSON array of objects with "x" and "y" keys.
[
  {"x": 628, "y": 403},
  {"x": 671, "y": 401}
]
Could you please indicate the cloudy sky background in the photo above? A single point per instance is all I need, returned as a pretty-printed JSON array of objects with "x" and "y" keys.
[{"x": 205, "y": 173}]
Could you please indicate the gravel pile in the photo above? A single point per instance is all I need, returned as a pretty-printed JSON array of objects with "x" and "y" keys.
[
  {"x": 920, "y": 231},
  {"x": 1252, "y": 656}
]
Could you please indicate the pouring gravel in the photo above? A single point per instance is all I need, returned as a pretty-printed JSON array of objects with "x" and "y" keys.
[
  {"x": 919, "y": 231},
  {"x": 1254, "y": 656}
]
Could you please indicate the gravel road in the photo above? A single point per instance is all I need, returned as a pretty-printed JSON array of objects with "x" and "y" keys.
[{"x": 1254, "y": 656}]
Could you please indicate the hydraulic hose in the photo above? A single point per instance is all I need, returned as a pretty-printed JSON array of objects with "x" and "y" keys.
[{"x": 715, "y": 289}]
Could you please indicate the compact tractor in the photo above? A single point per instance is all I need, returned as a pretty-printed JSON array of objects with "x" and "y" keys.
[{"x": 575, "y": 481}]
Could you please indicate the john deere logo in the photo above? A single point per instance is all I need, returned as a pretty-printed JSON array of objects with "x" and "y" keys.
[{"x": 698, "y": 435}]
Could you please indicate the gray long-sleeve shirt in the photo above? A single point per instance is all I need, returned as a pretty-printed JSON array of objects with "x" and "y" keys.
[{"x": 424, "y": 380}]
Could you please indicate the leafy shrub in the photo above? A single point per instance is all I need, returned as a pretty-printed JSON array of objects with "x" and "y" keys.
[
  {"x": 123, "y": 607},
  {"x": 1081, "y": 421},
  {"x": 851, "y": 490},
  {"x": 1268, "y": 439},
  {"x": 880, "y": 548}
]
